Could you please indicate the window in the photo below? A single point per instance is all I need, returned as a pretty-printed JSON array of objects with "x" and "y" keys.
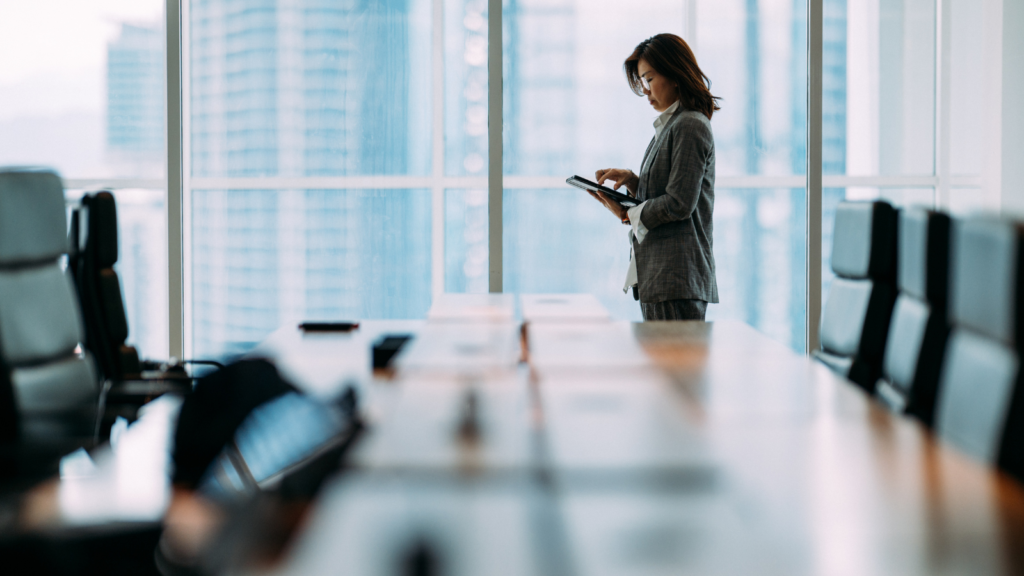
[
  {"x": 82, "y": 86},
  {"x": 309, "y": 151},
  {"x": 334, "y": 159},
  {"x": 288, "y": 121}
]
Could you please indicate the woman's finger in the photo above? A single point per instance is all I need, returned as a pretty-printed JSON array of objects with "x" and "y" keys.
[{"x": 609, "y": 174}]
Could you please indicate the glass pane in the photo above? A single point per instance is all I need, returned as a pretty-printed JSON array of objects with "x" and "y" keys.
[
  {"x": 755, "y": 53},
  {"x": 82, "y": 87},
  {"x": 300, "y": 89},
  {"x": 967, "y": 83},
  {"x": 568, "y": 109},
  {"x": 465, "y": 86},
  {"x": 760, "y": 259},
  {"x": 310, "y": 88},
  {"x": 142, "y": 267},
  {"x": 465, "y": 241},
  {"x": 265, "y": 258},
  {"x": 566, "y": 242},
  {"x": 879, "y": 97}
]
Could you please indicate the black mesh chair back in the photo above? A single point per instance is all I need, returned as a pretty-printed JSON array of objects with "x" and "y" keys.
[
  {"x": 923, "y": 258},
  {"x": 979, "y": 407},
  {"x": 855, "y": 319},
  {"x": 49, "y": 392},
  {"x": 94, "y": 245},
  {"x": 918, "y": 329}
]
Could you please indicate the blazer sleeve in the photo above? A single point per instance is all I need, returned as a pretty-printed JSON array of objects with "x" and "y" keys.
[{"x": 691, "y": 145}]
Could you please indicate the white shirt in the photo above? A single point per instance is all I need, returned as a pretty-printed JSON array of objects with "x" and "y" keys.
[{"x": 637, "y": 227}]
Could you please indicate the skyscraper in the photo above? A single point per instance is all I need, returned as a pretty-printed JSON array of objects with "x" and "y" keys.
[
  {"x": 135, "y": 145},
  {"x": 135, "y": 97},
  {"x": 296, "y": 89}
]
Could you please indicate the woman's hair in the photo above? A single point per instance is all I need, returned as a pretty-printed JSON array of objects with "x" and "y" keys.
[{"x": 671, "y": 57}]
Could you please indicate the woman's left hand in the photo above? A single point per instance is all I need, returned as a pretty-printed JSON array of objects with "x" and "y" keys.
[{"x": 619, "y": 210}]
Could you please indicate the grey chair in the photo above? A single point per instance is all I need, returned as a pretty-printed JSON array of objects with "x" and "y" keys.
[
  {"x": 49, "y": 390},
  {"x": 919, "y": 327},
  {"x": 979, "y": 406},
  {"x": 855, "y": 319},
  {"x": 129, "y": 382}
]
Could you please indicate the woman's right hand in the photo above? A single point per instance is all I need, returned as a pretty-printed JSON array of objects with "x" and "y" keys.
[{"x": 621, "y": 177}]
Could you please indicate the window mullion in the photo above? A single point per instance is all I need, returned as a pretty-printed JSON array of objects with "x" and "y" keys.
[
  {"x": 814, "y": 119},
  {"x": 175, "y": 178},
  {"x": 437, "y": 145},
  {"x": 495, "y": 115},
  {"x": 943, "y": 50}
]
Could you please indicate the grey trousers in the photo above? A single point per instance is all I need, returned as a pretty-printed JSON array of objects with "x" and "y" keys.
[{"x": 674, "y": 310}]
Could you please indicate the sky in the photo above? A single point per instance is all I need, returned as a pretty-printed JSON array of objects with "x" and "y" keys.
[{"x": 52, "y": 52}]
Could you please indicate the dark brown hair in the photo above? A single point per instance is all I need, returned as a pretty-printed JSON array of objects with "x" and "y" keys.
[{"x": 671, "y": 57}]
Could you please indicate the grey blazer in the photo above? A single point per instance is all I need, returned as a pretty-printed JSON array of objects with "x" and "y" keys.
[{"x": 676, "y": 260}]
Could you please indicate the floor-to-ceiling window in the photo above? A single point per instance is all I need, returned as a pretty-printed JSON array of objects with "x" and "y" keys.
[
  {"x": 335, "y": 154},
  {"x": 82, "y": 87}
]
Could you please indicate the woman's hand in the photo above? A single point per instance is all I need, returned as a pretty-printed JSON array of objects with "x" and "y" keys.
[
  {"x": 619, "y": 210},
  {"x": 621, "y": 178}
]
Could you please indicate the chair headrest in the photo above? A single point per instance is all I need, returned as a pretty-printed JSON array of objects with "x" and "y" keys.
[
  {"x": 33, "y": 224},
  {"x": 101, "y": 227},
  {"x": 864, "y": 241},
  {"x": 924, "y": 255},
  {"x": 985, "y": 277}
]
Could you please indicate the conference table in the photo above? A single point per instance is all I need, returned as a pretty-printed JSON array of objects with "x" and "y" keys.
[
  {"x": 589, "y": 446},
  {"x": 576, "y": 444}
]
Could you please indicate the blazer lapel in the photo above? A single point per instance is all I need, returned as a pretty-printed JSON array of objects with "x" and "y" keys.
[
  {"x": 654, "y": 147},
  {"x": 643, "y": 166}
]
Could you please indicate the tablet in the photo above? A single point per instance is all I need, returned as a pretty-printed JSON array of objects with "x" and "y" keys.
[{"x": 581, "y": 182}]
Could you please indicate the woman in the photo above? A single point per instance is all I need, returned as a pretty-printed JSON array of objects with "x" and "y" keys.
[{"x": 672, "y": 266}]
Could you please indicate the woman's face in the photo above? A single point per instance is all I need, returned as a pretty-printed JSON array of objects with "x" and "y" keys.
[{"x": 660, "y": 92}]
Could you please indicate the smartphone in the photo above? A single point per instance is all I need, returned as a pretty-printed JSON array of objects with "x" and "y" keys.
[{"x": 328, "y": 326}]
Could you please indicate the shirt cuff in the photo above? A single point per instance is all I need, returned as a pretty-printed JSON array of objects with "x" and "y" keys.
[{"x": 639, "y": 230}]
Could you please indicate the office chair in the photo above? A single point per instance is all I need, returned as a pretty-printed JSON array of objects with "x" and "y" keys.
[
  {"x": 129, "y": 381},
  {"x": 919, "y": 329},
  {"x": 93, "y": 255},
  {"x": 49, "y": 390},
  {"x": 979, "y": 407},
  {"x": 855, "y": 319}
]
